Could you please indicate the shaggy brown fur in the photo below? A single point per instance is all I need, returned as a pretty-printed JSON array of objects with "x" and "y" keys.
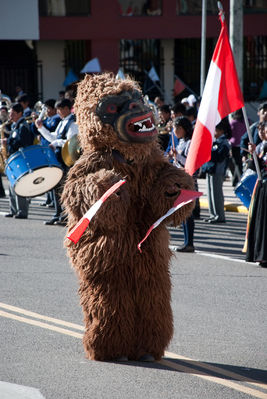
[{"x": 125, "y": 294}]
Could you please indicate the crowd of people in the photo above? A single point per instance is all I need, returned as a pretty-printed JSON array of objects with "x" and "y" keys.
[
  {"x": 21, "y": 128},
  {"x": 231, "y": 154}
]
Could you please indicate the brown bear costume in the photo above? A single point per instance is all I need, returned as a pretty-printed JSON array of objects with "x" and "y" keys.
[{"x": 125, "y": 294}]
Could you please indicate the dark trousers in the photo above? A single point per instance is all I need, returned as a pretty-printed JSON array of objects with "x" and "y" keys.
[
  {"x": 56, "y": 193},
  {"x": 235, "y": 165},
  {"x": 188, "y": 228}
]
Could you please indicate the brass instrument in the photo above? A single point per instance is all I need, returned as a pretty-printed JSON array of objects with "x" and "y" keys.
[
  {"x": 3, "y": 149},
  {"x": 40, "y": 112},
  {"x": 71, "y": 151},
  {"x": 6, "y": 100}
]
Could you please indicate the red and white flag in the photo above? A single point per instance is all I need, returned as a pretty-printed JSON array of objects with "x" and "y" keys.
[
  {"x": 221, "y": 96},
  {"x": 184, "y": 198},
  {"x": 179, "y": 86},
  {"x": 78, "y": 230}
]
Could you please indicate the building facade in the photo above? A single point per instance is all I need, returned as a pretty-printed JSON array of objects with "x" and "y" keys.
[{"x": 133, "y": 35}]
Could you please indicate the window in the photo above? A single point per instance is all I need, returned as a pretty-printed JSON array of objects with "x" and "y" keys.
[
  {"x": 64, "y": 8},
  {"x": 194, "y": 7},
  {"x": 140, "y": 8}
]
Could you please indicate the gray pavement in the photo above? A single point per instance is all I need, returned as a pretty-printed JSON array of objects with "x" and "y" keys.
[{"x": 219, "y": 345}]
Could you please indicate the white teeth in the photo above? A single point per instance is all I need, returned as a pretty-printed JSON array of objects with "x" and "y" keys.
[{"x": 142, "y": 126}]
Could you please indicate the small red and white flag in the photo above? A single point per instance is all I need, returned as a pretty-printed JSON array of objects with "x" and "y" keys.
[
  {"x": 221, "y": 96},
  {"x": 179, "y": 86},
  {"x": 184, "y": 198},
  {"x": 78, "y": 230}
]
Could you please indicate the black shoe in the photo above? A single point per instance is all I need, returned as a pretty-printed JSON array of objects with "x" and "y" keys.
[
  {"x": 216, "y": 220},
  {"x": 62, "y": 221},
  {"x": 186, "y": 248},
  {"x": 9, "y": 215},
  {"x": 48, "y": 204},
  {"x": 207, "y": 220},
  {"x": 2, "y": 195},
  {"x": 146, "y": 358},
  {"x": 20, "y": 215},
  {"x": 121, "y": 359},
  {"x": 52, "y": 221},
  {"x": 263, "y": 264}
]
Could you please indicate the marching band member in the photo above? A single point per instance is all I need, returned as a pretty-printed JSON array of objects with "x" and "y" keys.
[
  {"x": 66, "y": 129},
  {"x": 50, "y": 122},
  {"x": 20, "y": 136},
  {"x": 25, "y": 103}
]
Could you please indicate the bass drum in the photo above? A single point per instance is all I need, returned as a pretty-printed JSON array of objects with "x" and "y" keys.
[{"x": 33, "y": 170}]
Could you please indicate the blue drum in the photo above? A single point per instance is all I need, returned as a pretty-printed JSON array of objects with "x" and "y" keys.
[
  {"x": 245, "y": 187},
  {"x": 33, "y": 170}
]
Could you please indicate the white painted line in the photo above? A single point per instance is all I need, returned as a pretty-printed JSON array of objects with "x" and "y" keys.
[
  {"x": 15, "y": 391},
  {"x": 208, "y": 254}
]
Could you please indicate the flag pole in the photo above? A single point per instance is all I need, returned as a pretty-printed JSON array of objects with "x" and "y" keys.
[
  {"x": 203, "y": 46},
  {"x": 255, "y": 158},
  {"x": 155, "y": 84}
]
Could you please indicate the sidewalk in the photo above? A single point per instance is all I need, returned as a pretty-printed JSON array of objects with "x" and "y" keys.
[{"x": 231, "y": 202}]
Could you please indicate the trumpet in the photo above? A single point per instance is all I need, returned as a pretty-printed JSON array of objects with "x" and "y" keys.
[{"x": 39, "y": 108}]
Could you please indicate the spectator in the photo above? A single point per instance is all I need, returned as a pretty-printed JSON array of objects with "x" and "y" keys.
[
  {"x": 159, "y": 101},
  {"x": 191, "y": 114},
  {"x": 177, "y": 110},
  {"x": 164, "y": 126},
  {"x": 238, "y": 128},
  {"x": 215, "y": 171},
  {"x": 262, "y": 114},
  {"x": 257, "y": 226},
  {"x": 183, "y": 130}
]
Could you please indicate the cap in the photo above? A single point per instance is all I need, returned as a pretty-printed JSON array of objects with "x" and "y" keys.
[
  {"x": 191, "y": 100},
  {"x": 262, "y": 106}
]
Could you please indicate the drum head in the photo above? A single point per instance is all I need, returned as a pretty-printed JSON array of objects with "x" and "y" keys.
[{"x": 38, "y": 181}]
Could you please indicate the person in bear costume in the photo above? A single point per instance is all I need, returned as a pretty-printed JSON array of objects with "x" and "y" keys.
[{"x": 125, "y": 294}]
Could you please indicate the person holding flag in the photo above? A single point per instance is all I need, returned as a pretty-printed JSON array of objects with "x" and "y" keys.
[{"x": 221, "y": 96}]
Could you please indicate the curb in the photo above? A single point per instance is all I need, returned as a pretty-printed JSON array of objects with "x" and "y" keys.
[{"x": 228, "y": 206}]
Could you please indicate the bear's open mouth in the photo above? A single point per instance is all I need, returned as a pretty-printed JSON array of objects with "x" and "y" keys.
[{"x": 141, "y": 126}]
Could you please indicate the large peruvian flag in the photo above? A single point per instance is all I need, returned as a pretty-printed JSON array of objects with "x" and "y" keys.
[{"x": 221, "y": 96}]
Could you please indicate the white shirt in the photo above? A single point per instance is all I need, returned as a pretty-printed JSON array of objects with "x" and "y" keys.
[{"x": 52, "y": 136}]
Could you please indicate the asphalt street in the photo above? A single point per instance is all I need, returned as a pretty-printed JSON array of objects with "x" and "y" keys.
[{"x": 219, "y": 304}]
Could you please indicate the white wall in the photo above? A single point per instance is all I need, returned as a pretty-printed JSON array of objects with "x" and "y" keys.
[
  {"x": 51, "y": 55},
  {"x": 19, "y": 20},
  {"x": 168, "y": 83}
]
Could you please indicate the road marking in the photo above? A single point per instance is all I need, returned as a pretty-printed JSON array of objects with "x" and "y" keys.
[
  {"x": 16, "y": 391},
  {"x": 220, "y": 381},
  {"x": 193, "y": 370},
  {"x": 40, "y": 324},
  {"x": 39, "y": 316},
  {"x": 215, "y": 369},
  {"x": 222, "y": 257},
  {"x": 173, "y": 247}
]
